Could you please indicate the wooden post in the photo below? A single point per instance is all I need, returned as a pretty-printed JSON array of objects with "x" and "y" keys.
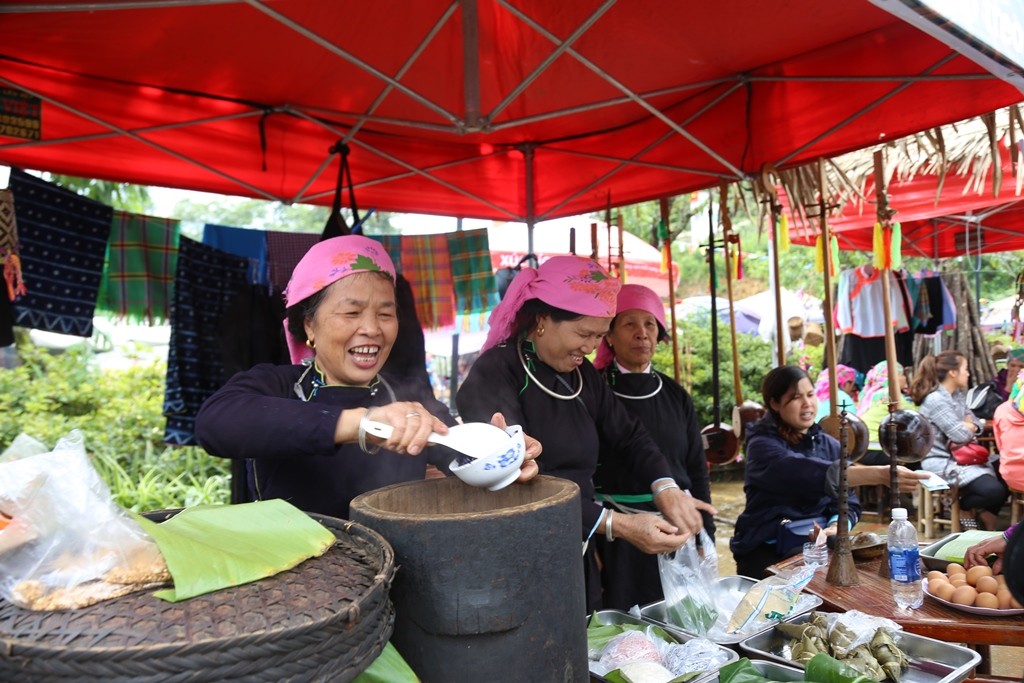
[
  {"x": 663, "y": 205},
  {"x": 727, "y": 240},
  {"x": 884, "y": 215},
  {"x": 830, "y": 335}
]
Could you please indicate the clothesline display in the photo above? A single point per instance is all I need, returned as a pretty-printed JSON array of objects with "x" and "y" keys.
[{"x": 920, "y": 304}]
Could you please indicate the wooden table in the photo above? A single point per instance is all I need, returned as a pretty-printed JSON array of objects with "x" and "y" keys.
[{"x": 932, "y": 619}]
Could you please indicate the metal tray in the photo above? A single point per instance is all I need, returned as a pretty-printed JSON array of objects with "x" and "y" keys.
[
  {"x": 933, "y": 660},
  {"x": 927, "y": 553},
  {"x": 614, "y": 617},
  {"x": 731, "y": 590},
  {"x": 773, "y": 671}
]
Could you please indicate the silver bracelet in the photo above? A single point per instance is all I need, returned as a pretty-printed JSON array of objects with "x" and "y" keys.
[
  {"x": 608, "y": 526},
  {"x": 362, "y": 435},
  {"x": 664, "y": 487}
]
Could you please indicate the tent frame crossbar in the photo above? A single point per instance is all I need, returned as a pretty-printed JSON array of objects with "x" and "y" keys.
[{"x": 138, "y": 138}]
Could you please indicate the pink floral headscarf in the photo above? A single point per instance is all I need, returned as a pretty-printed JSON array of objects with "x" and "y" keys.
[
  {"x": 324, "y": 264},
  {"x": 876, "y": 386},
  {"x": 633, "y": 297},
  {"x": 572, "y": 283},
  {"x": 844, "y": 374}
]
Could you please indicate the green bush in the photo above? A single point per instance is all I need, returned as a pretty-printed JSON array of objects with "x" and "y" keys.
[
  {"x": 756, "y": 358},
  {"x": 120, "y": 414}
]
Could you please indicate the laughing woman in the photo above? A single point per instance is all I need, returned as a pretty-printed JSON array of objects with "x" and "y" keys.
[
  {"x": 300, "y": 428},
  {"x": 792, "y": 473}
]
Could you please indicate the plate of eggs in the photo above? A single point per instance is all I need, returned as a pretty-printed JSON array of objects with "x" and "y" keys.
[{"x": 973, "y": 590}]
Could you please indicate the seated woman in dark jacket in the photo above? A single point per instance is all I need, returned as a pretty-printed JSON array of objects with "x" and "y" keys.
[{"x": 792, "y": 472}]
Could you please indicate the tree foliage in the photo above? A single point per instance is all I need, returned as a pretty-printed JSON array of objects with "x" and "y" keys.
[{"x": 120, "y": 414}]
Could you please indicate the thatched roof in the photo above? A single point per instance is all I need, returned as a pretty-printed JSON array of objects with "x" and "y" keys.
[{"x": 969, "y": 148}]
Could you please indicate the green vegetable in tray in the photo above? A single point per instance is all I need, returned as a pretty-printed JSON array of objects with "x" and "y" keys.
[
  {"x": 692, "y": 615},
  {"x": 820, "y": 669}
]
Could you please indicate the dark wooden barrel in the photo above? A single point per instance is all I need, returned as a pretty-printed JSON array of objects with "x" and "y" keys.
[{"x": 490, "y": 583}]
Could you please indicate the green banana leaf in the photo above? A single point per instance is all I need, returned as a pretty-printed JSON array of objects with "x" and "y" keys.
[
  {"x": 821, "y": 669},
  {"x": 390, "y": 667},
  {"x": 955, "y": 550},
  {"x": 210, "y": 547}
]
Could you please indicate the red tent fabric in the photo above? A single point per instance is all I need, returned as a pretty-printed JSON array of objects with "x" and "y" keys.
[
  {"x": 506, "y": 109},
  {"x": 961, "y": 219}
]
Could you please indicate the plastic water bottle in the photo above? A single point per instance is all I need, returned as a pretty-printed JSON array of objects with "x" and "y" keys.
[{"x": 904, "y": 561}]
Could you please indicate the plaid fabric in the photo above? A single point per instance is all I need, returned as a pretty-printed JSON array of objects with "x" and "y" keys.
[
  {"x": 63, "y": 241},
  {"x": 142, "y": 256},
  {"x": 393, "y": 245},
  {"x": 206, "y": 282},
  {"x": 476, "y": 291},
  {"x": 284, "y": 250},
  {"x": 426, "y": 265},
  {"x": 252, "y": 244}
]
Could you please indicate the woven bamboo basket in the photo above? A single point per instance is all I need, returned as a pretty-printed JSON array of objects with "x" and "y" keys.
[{"x": 324, "y": 620}]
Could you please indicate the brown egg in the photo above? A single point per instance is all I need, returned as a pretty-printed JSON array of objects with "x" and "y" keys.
[
  {"x": 964, "y": 595},
  {"x": 987, "y": 584},
  {"x": 975, "y": 573},
  {"x": 942, "y": 589},
  {"x": 958, "y": 579},
  {"x": 986, "y": 600},
  {"x": 1004, "y": 599},
  {"x": 1014, "y": 604},
  {"x": 954, "y": 568},
  {"x": 1001, "y": 580},
  {"x": 936, "y": 575}
]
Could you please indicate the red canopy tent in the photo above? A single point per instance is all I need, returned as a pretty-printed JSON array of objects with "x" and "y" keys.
[{"x": 508, "y": 109}]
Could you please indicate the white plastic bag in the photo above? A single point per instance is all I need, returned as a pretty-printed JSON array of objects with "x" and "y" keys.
[
  {"x": 688, "y": 580},
  {"x": 769, "y": 600},
  {"x": 67, "y": 544}
]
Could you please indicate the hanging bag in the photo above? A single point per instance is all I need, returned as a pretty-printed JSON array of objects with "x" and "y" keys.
[{"x": 688, "y": 580}]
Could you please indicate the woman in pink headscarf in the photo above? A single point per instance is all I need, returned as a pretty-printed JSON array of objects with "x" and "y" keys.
[
  {"x": 301, "y": 428},
  {"x": 846, "y": 391},
  {"x": 666, "y": 410},
  {"x": 534, "y": 371}
]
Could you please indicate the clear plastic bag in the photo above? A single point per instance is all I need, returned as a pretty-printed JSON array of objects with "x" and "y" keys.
[
  {"x": 688, "y": 579},
  {"x": 66, "y": 543},
  {"x": 769, "y": 600}
]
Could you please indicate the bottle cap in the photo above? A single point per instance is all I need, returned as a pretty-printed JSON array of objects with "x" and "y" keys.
[{"x": 899, "y": 514}]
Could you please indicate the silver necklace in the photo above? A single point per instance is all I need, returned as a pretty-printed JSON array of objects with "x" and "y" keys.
[
  {"x": 640, "y": 398},
  {"x": 526, "y": 367}
]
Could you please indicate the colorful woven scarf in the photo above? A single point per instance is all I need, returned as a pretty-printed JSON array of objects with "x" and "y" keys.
[
  {"x": 476, "y": 292},
  {"x": 426, "y": 265},
  {"x": 142, "y": 257},
  {"x": 63, "y": 242}
]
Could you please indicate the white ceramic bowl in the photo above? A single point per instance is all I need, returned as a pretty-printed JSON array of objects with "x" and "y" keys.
[{"x": 498, "y": 469}]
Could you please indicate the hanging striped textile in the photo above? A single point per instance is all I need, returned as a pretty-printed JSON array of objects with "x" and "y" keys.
[
  {"x": 63, "y": 241},
  {"x": 252, "y": 244},
  {"x": 9, "y": 257},
  {"x": 142, "y": 257},
  {"x": 284, "y": 250},
  {"x": 476, "y": 291},
  {"x": 206, "y": 282},
  {"x": 426, "y": 265}
]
